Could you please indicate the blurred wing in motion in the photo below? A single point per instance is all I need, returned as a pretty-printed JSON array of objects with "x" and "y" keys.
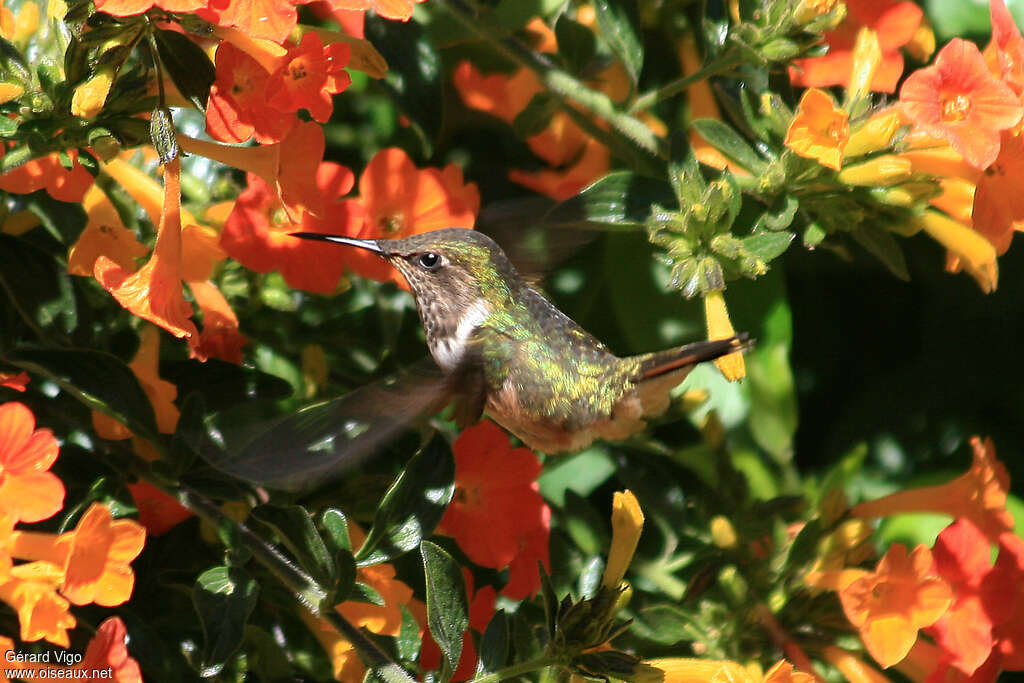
[{"x": 323, "y": 440}]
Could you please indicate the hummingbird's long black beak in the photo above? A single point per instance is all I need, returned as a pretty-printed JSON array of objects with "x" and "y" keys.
[{"x": 369, "y": 245}]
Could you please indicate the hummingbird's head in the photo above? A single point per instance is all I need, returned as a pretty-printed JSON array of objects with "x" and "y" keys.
[{"x": 453, "y": 267}]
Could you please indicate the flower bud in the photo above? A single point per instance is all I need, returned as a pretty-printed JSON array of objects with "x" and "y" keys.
[{"x": 880, "y": 171}]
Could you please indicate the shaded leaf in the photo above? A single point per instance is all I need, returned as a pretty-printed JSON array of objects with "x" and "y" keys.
[
  {"x": 620, "y": 200},
  {"x": 413, "y": 505},
  {"x": 447, "y": 605},
  {"x": 295, "y": 528},
  {"x": 188, "y": 66},
  {"x": 576, "y": 43},
  {"x": 616, "y": 19},
  {"x": 224, "y": 597},
  {"x": 727, "y": 141},
  {"x": 883, "y": 246},
  {"x": 494, "y": 644}
]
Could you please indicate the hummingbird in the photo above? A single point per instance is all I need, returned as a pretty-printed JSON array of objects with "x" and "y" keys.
[{"x": 512, "y": 354}]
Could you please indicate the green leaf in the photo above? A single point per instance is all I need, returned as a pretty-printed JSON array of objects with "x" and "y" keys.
[
  {"x": 576, "y": 43},
  {"x": 408, "y": 643},
  {"x": 413, "y": 505},
  {"x": 188, "y": 66},
  {"x": 881, "y": 244},
  {"x": 447, "y": 606},
  {"x": 494, "y": 644},
  {"x": 620, "y": 200},
  {"x": 335, "y": 524},
  {"x": 222, "y": 384},
  {"x": 414, "y": 77},
  {"x": 224, "y": 597},
  {"x": 36, "y": 285},
  {"x": 99, "y": 380},
  {"x": 616, "y": 20},
  {"x": 536, "y": 116},
  {"x": 295, "y": 528},
  {"x": 684, "y": 172},
  {"x": 767, "y": 246},
  {"x": 663, "y": 623},
  {"x": 727, "y": 141},
  {"x": 581, "y": 473}
]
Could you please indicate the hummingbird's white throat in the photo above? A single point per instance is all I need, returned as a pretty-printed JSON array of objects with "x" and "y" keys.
[{"x": 448, "y": 350}]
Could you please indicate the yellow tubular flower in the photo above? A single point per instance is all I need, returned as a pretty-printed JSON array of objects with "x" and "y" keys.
[
  {"x": 876, "y": 133},
  {"x": 867, "y": 55},
  {"x": 627, "y": 524},
  {"x": 90, "y": 97},
  {"x": 10, "y": 91},
  {"x": 732, "y": 366},
  {"x": 922, "y": 45},
  {"x": 855, "y": 670},
  {"x": 975, "y": 253},
  {"x": 887, "y": 169}
]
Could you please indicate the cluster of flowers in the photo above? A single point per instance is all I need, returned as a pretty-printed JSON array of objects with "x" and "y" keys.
[
  {"x": 89, "y": 564},
  {"x": 970, "y": 609},
  {"x": 498, "y": 519},
  {"x": 964, "y": 113}
]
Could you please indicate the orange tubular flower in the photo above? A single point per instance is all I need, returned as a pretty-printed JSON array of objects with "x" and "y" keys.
[
  {"x": 957, "y": 99},
  {"x": 401, "y": 200},
  {"x": 289, "y": 166},
  {"x": 256, "y": 232},
  {"x": 851, "y": 666},
  {"x": 389, "y": 9},
  {"x": 237, "y": 108},
  {"x": 998, "y": 201},
  {"x": 310, "y": 74},
  {"x": 28, "y": 491},
  {"x": 820, "y": 129},
  {"x": 683, "y": 670},
  {"x": 126, "y": 8},
  {"x": 14, "y": 380},
  {"x": 158, "y": 512},
  {"x": 220, "y": 337},
  {"x": 99, "y": 553},
  {"x": 42, "y": 614},
  {"x": 889, "y": 605},
  {"x": 154, "y": 293},
  {"x": 266, "y": 19},
  {"x": 1007, "y": 46},
  {"x": 978, "y": 495},
  {"x": 107, "y": 651},
  {"x": 895, "y": 22},
  {"x": 104, "y": 235},
  {"x": 496, "y": 501},
  {"x": 48, "y": 173}
]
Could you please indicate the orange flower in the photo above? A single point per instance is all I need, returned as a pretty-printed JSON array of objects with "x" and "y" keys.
[
  {"x": 523, "y": 576},
  {"x": 29, "y": 492},
  {"x": 237, "y": 108},
  {"x": 14, "y": 380},
  {"x": 890, "y": 604},
  {"x": 48, "y": 173},
  {"x": 966, "y": 248},
  {"x": 126, "y": 8},
  {"x": 310, "y": 75},
  {"x": 220, "y": 337},
  {"x": 256, "y": 232},
  {"x": 99, "y": 551},
  {"x": 289, "y": 166},
  {"x": 270, "y": 19},
  {"x": 958, "y": 100},
  {"x": 895, "y": 22},
  {"x": 154, "y": 292},
  {"x": 855, "y": 670},
  {"x": 683, "y": 670},
  {"x": 389, "y": 9},
  {"x": 1007, "y": 46},
  {"x": 104, "y": 235},
  {"x": 998, "y": 200},
  {"x": 820, "y": 129},
  {"x": 978, "y": 495},
  {"x": 496, "y": 501},
  {"x": 401, "y": 200},
  {"x": 158, "y": 512},
  {"x": 41, "y": 612},
  {"x": 107, "y": 651}
]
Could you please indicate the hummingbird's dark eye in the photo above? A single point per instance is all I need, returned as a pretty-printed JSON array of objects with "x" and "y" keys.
[{"x": 430, "y": 260}]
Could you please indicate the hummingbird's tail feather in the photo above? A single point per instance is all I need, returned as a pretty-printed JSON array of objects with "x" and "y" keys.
[{"x": 663, "y": 362}]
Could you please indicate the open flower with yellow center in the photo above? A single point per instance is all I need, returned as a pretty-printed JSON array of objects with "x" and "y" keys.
[{"x": 820, "y": 129}]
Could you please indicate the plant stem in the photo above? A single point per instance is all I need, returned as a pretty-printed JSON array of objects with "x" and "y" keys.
[
  {"x": 719, "y": 65},
  {"x": 305, "y": 588},
  {"x": 516, "y": 670},
  {"x": 629, "y": 137}
]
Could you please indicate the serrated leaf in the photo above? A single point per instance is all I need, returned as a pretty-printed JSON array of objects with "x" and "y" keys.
[
  {"x": 494, "y": 644},
  {"x": 616, "y": 20},
  {"x": 620, "y": 200},
  {"x": 188, "y": 66},
  {"x": 413, "y": 505},
  {"x": 99, "y": 380},
  {"x": 224, "y": 597},
  {"x": 767, "y": 246},
  {"x": 727, "y": 141},
  {"x": 883, "y": 246},
  {"x": 576, "y": 43},
  {"x": 295, "y": 528},
  {"x": 447, "y": 606}
]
